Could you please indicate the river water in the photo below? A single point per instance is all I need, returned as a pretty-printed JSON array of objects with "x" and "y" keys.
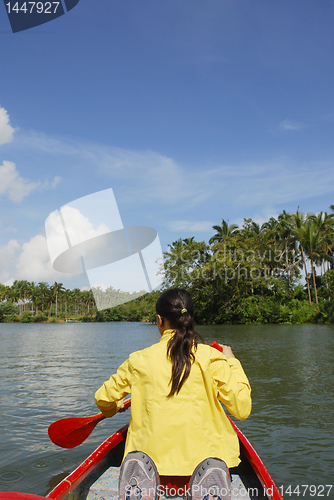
[{"x": 51, "y": 371}]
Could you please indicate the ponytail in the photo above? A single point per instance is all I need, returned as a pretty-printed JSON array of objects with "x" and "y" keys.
[{"x": 177, "y": 307}]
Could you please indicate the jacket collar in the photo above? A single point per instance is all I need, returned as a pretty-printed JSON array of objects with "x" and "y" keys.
[{"x": 167, "y": 335}]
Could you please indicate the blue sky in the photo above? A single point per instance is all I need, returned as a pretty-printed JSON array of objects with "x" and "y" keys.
[{"x": 191, "y": 111}]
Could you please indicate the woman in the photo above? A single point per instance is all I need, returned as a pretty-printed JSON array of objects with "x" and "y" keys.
[{"x": 177, "y": 421}]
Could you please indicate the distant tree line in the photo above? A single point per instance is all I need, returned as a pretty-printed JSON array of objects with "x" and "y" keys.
[
  {"x": 41, "y": 301},
  {"x": 279, "y": 272}
]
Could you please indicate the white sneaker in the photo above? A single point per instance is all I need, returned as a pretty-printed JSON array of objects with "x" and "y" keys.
[
  {"x": 138, "y": 479},
  {"x": 210, "y": 481}
]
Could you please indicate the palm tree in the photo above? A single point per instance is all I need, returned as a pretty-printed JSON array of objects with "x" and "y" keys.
[
  {"x": 4, "y": 292},
  {"x": 25, "y": 288},
  {"x": 18, "y": 287},
  {"x": 188, "y": 241},
  {"x": 298, "y": 221},
  {"x": 250, "y": 228},
  {"x": 76, "y": 297},
  {"x": 311, "y": 240},
  {"x": 175, "y": 253},
  {"x": 67, "y": 296},
  {"x": 255, "y": 228},
  {"x": 280, "y": 232},
  {"x": 56, "y": 288},
  {"x": 99, "y": 295},
  {"x": 285, "y": 237},
  {"x": 14, "y": 295},
  {"x": 45, "y": 292},
  {"x": 176, "y": 261},
  {"x": 88, "y": 299},
  {"x": 325, "y": 224},
  {"x": 223, "y": 231},
  {"x": 35, "y": 295}
]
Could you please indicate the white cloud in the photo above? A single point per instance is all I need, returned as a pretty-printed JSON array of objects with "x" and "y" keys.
[
  {"x": 29, "y": 262},
  {"x": 12, "y": 184},
  {"x": 264, "y": 185},
  {"x": 141, "y": 176},
  {"x": 79, "y": 229},
  {"x": 16, "y": 187},
  {"x": 8, "y": 251},
  {"x": 34, "y": 262},
  {"x": 290, "y": 125},
  {"x": 7, "y": 254},
  {"x": 6, "y": 227},
  {"x": 148, "y": 178},
  {"x": 56, "y": 181},
  {"x": 6, "y": 130},
  {"x": 195, "y": 226}
]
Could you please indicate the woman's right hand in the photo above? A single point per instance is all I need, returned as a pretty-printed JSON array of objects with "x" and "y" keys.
[
  {"x": 227, "y": 351},
  {"x": 125, "y": 404}
]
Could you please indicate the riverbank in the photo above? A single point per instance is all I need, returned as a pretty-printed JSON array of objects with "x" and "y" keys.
[
  {"x": 249, "y": 310},
  {"x": 53, "y": 320}
]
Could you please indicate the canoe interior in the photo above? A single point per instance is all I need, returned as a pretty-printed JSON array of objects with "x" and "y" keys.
[
  {"x": 109, "y": 466},
  {"x": 101, "y": 482}
]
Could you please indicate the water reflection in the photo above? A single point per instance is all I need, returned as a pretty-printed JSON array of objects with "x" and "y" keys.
[
  {"x": 52, "y": 371},
  {"x": 54, "y": 480}
]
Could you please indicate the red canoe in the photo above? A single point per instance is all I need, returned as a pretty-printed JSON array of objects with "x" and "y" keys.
[{"x": 97, "y": 475}]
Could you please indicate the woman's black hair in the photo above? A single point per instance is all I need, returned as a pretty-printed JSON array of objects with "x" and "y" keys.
[{"x": 177, "y": 307}]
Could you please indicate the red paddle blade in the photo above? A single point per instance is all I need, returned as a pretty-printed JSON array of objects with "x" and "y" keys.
[
  {"x": 70, "y": 432},
  {"x": 216, "y": 345}
]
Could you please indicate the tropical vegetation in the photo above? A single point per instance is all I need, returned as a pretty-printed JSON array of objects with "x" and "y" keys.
[{"x": 279, "y": 272}]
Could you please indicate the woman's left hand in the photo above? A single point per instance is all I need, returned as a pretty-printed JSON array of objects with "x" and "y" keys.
[{"x": 227, "y": 351}]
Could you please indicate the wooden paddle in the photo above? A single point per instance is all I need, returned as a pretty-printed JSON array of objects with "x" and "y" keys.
[{"x": 70, "y": 432}]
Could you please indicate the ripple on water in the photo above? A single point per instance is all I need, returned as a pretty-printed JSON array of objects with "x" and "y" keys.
[
  {"x": 40, "y": 464},
  {"x": 11, "y": 476}
]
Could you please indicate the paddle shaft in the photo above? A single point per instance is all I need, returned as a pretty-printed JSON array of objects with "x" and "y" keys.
[{"x": 70, "y": 432}]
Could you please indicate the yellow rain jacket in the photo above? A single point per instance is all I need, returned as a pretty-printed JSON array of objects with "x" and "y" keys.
[{"x": 181, "y": 431}]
